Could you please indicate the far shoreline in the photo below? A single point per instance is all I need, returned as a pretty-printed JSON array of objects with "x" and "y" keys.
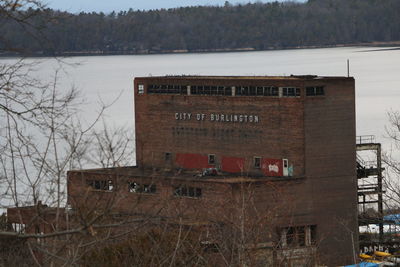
[{"x": 394, "y": 45}]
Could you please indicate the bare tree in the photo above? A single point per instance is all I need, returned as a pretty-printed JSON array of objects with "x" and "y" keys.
[{"x": 391, "y": 158}]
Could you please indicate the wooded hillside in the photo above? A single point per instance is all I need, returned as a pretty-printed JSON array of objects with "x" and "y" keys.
[{"x": 253, "y": 26}]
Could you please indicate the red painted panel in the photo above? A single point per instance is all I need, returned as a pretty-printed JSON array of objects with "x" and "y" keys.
[
  {"x": 230, "y": 164},
  {"x": 192, "y": 161},
  {"x": 272, "y": 167}
]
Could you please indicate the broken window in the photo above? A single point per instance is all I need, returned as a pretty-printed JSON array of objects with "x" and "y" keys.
[
  {"x": 290, "y": 91},
  {"x": 315, "y": 91},
  {"x": 271, "y": 91},
  {"x": 211, "y": 159},
  {"x": 187, "y": 191},
  {"x": 19, "y": 227},
  {"x": 135, "y": 187},
  {"x": 298, "y": 236},
  {"x": 167, "y": 89},
  {"x": 105, "y": 185},
  {"x": 257, "y": 162}
]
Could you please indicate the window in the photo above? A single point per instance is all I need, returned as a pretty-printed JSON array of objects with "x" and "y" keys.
[
  {"x": 105, "y": 185},
  {"x": 315, "y": 91},
  {"x": 140, "y": 89},
  {"x": 290, "y": 91},
  {"x": 252, "y": 90},
  {"x": 135, "y": 187},
  {"x": 257, "y": 162},
  {"x": 187, "y": 191},
  {"x": 167, "y": 89},
  {"x": 211, "y": 159},
  {"x": 167, "y": 156},
  {"x": 298, "y": 236},
  {"x": 228, "y": 90},
  {"x": 19, "y": 227}
]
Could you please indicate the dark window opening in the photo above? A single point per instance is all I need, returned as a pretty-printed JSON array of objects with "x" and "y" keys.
[
  {"x": 257, "y": 162},
  {"x": 260, "y": 90},
  {"x": 271, "y": 91},
  {"x": 134, "y": 187},
  {"x": 252, "y": 90},
  {"x": 290, "y": 91},
  {"x": 315, "y": 91},
  {"x": 207, "y": 90},
  {"x": 187, "y": 191},
  {"x": 211, "y": 159},
  {"x": 105, "y": 185},
  {"x": 193, "y": 90},
  {"x": 167, "y": 156},
  {"x": 228, "y": 90},
  {"x": 299, "y": 236},
  {"x": 214, "y": 90},
  {"x": 167, "y": 89},
  {"x": 313, "y": 234}
]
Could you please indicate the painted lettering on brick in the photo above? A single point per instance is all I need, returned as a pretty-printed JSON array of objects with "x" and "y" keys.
[{"x": 217, "y": 117}]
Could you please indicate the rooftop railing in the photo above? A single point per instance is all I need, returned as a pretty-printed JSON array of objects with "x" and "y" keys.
[{"x": 365, "y": 139}]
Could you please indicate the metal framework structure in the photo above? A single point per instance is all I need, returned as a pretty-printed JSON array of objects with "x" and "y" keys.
[{"x": 370, "y": 180}]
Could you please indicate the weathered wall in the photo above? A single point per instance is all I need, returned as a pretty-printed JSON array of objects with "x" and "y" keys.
[
  {"x": 330, "y": 168},
  {"x": 316, "y": 134},
  {"x": 161, "y": 125}
]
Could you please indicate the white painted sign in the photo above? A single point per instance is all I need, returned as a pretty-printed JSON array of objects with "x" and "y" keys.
[{"x": 218, "y": 117}]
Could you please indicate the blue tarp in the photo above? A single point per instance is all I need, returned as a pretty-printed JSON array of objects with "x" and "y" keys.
[
  {"x": 364, "y": 264},
  {"x": 392, "y": 217}
]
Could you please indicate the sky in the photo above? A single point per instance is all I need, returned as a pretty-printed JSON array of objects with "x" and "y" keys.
[{"x": 106, "y": 6}]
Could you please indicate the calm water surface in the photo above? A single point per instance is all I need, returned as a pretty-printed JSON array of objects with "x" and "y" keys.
[{"x": 376, "y": 71}]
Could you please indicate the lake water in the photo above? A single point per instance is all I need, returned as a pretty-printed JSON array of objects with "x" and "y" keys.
[{"x": 376, "y": 71}]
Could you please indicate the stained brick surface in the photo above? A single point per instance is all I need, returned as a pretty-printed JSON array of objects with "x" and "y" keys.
[{"x": 315, "y": 133}]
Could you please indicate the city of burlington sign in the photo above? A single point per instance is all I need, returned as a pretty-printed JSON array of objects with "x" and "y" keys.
[{"x": 217, "y": 117}]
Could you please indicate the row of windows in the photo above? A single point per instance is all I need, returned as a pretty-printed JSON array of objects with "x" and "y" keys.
[
  {"x": 142, "y": 188},
  {"x": 105, "y": 185},
  {"x": 315, "y": 90},
  {"x": 134, "y": 187},
  {"x": 227, "y": 90},
  {"x": 167, "y": 89},
  {"x": 187, "y": 191}
]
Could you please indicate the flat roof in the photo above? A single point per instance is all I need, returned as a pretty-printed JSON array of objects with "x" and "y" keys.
[
  {"x": 208, "y": 77},
  {"x": 183, "y": 175}
]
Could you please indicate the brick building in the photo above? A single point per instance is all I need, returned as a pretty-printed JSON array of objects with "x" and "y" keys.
[{"x": 274, "y": 154}]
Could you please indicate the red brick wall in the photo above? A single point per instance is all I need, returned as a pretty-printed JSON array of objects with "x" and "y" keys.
[
  {"x": 278, "y": 134},
  {"x": 330, "y": 168}
]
